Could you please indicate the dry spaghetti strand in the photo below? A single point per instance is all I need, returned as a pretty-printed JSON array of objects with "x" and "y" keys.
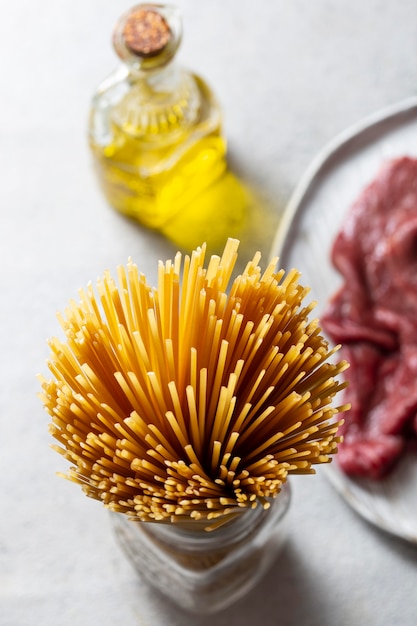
[{"x": 195, "y": 398}]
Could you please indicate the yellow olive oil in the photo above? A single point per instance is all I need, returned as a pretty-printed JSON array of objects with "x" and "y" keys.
[{"x": 156, "y": 137}]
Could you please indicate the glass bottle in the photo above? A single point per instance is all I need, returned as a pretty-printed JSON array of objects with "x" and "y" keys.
[
  {"x": 156, "y": 132},
  {"x": 205, "y": 571}
]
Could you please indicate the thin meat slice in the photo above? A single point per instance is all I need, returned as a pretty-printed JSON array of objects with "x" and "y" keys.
[
  {"x": 370, "y": 458},
  {"x": 374, "y": 316}
]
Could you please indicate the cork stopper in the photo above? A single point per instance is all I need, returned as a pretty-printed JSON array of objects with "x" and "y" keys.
[
  {"x": 148, "y": 36},
  {"x": 146, "y": 32}
]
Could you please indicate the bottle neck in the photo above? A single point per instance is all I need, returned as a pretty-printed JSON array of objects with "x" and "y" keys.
[{"x": 159, "y": 102}]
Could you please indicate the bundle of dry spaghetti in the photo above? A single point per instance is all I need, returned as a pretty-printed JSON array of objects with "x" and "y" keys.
[{"x": 195, "y": 398}]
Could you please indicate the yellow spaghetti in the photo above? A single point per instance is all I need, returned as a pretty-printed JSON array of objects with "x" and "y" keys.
[{"x": 195, "y": 398}]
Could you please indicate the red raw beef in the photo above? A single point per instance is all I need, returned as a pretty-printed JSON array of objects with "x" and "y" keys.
[{"x": 374, "y": 316}]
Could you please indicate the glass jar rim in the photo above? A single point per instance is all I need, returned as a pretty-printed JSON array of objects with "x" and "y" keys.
[{"x": 195, "y": 536}]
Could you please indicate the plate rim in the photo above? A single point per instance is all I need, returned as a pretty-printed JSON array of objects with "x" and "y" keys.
[
  {"x": 344, "y": 485},
  {"x": 321, "y": 159}
]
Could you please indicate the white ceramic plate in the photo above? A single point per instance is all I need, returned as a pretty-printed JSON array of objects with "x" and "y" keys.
[{"x": 312, "y": 219}]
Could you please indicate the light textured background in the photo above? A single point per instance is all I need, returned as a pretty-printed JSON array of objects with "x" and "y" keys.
[{"x": 290, "y": 75}]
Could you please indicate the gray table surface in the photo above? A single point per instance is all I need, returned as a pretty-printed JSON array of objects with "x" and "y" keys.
[{"x": 290, "y": 76}]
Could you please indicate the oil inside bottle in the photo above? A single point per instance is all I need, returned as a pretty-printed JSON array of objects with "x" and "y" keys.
[{"x": 159, "y": 152}]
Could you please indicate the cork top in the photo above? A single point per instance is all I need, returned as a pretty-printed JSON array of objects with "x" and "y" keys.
[
  {"x": 148, "y": 36},
  {"x": 146, "y": 32}
]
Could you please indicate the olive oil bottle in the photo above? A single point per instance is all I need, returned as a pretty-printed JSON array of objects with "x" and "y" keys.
[{"x": 156, "y": 136}]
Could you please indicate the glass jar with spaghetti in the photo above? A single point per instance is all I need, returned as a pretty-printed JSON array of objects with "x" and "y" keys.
[
  {"x": 186, "y": 409},
  {"x": 204, "y": 569}
]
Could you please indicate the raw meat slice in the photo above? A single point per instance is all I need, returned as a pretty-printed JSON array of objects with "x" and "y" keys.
[{"x": 374, "y": 316}]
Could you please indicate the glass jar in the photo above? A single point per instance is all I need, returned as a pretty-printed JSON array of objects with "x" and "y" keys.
[
  {"x": 155, "y": 133},
  {"x": 205, "y": 571}
]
